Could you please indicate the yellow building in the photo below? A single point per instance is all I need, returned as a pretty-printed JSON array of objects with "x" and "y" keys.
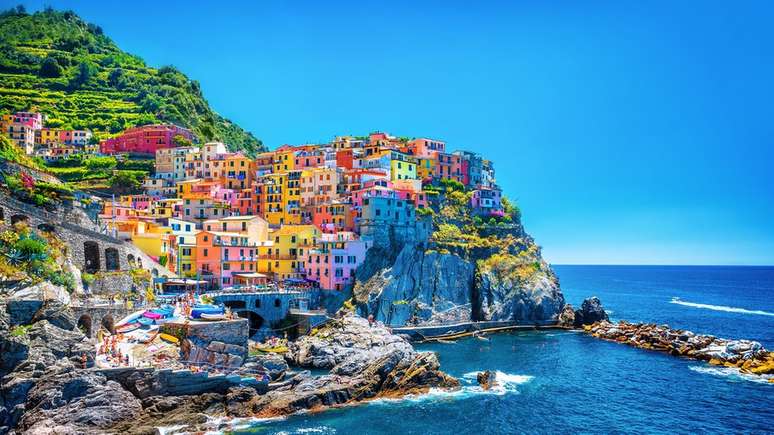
[
  {"x": 46, "y": 136},
  {"x": 152, "y": 239},
  {"x": 291, "y": 199},
  {"x": 284, "y": 160},
  {"x": 402, "y": 166},
  {"x": 282, "y": 256},
  {"x": 272, "y": 187},
  {"x": 183, "y": 258},
  {"x": 425, "y": 168}
]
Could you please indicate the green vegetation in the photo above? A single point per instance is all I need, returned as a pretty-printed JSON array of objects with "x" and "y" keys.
[
  {"x": 20, "y": 330},
  {"x": 12, "y": 153},
  {"x": 32, "y": 256},
  {"x": 58, "y": 64},
  {"x": 25, "y": 188}
]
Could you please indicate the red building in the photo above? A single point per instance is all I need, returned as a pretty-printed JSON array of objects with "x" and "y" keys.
[{"x": 145, "y": 139}]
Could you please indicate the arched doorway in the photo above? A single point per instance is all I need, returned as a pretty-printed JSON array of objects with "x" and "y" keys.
[
  {"x": 108, "y": 323},
  {"x": 90, "y": 257},
  {"x": 84, "y": 324},
  {"x": 19, "y": 218},
  {"x": 130, "y": 260},
  {"x": 111, "y": 259},
  {"x": 255, "y": 321}
]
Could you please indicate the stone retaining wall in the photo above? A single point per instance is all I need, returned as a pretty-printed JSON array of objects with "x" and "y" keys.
[{"x": 147, "y": 382}]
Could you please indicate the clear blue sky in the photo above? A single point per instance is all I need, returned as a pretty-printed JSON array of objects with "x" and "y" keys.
[{"x": 628, "y": 133}]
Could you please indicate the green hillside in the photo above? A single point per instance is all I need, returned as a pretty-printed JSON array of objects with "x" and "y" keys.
[{"x": 58, "y": 64}]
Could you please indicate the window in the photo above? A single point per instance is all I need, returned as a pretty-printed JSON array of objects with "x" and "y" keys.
[{"x": 206, "y": 252}]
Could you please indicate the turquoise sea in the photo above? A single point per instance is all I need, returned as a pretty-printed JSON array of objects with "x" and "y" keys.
[{"x": 566, "y": 382}]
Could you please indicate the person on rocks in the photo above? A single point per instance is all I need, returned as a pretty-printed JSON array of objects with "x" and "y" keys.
[
  {"x": 371, "y": 320},
  {"x": 84, "y": 360}
]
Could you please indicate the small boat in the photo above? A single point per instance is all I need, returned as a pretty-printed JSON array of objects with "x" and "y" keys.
[
  {"x": 272, "y": 349},
  {"x": 169, "y": 338},
  {"x": 144, "y": 321},
  {"x": 197, "y": 312},
  {"x": 208, "y": 316},
  {"x": 207, "y": 307},
  {"x": 481, "y": 337},
  {"x": 152, "y": 315},
  {"x": 128, "y": 327},
  {"x": 440, "y": 340}
]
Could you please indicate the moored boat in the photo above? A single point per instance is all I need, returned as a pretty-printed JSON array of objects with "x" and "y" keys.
[
  {"x": 169, "y": 338},
  {"x": 208, "y": 316},
  {"x": 128, "y": 327}
]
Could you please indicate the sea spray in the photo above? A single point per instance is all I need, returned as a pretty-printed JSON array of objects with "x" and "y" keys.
[
  {"x": 727, "y": 309},
  {"x": 732, "y": 374}
]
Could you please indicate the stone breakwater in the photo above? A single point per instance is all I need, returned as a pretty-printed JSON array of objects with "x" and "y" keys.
[{"x": 749, "y": 357}]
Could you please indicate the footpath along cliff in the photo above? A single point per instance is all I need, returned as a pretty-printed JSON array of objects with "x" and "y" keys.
[{"x": 453, "y": 266}]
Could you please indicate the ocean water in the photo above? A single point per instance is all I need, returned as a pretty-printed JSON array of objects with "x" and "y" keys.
[{"x": 567, "y": 382}]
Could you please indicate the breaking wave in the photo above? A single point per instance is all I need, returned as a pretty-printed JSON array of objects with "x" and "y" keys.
[
  {"x": 731, "y": 373},
  {"x": 676, "y": 300}
]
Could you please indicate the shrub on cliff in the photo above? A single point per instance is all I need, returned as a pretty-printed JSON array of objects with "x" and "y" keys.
[{"x": 29, "y": 255}]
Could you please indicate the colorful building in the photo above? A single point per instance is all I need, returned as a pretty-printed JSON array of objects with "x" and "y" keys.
[
  {"x": 145, "y": 139},
  {"x": 334, "y": 260}
]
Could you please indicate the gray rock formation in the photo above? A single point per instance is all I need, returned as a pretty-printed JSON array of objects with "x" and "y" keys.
[
  {"x": 76, "y": 402},
  {"x": 421, "y": 287},
  {"x": 538, "y": 299},
  {"x": 591, "y": 311}
]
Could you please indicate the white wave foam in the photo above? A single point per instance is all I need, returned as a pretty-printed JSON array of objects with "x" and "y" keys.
[
  {"x": 732, "y": 373},
  {"x": 506, "y": 383},
  {"x": 676, "y": 300}
]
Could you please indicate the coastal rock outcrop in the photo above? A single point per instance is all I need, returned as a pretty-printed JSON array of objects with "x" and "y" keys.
[
  {"x": 37, "y": 347},
  {"x": 591, "y": 311},
  {"x": 365, "y": 361},
  {"x": 566, "y": 317},
  {"x": 749, "y": 356}
]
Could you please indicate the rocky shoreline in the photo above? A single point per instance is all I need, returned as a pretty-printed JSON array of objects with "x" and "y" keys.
[
  {"x": 749, "y": 357},
  {"x": 45, "y": 389}
]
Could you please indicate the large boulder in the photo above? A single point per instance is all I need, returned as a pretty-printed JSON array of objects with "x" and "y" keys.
[
  {"x": 591, "y": 311},
  {"x": 536, "y": 299},
  {"x": 77, "y": 401},
  {"x": 567, "y": 317},
  {"x": 348, "y": 339},
  {"x": 56, "y": 314}
]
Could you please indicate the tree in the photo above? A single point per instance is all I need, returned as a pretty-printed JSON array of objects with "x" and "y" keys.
[
  {"x": 181, "y": 141},
  {"x": 50, "y": 69},
  {"x": 86, "y": 70},
  {"x": 123, "y": 183}
]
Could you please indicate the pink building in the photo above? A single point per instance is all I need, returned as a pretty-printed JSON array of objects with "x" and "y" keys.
[
  {"x": 333, "y": 263},
  {"x": 449, "y": 166},
  {"x": 374, "y": 188},
  {"x": 427, "y": 148},
  {"x": 33, "y": 120},
  {"x": 145, "y": 139},
  {"x": 487, "y": 202}
]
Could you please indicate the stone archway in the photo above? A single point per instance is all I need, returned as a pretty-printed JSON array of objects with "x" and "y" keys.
[
  {"x": 108, "y": 323},
  {"x": 130, "y": 260},
  {"x": 2, "y": 214},
  {"x": 90, "y": 256},
  {"x": 84, "y": 324},
  {"x": 111, "y": 259},
  {"x": 19, "y": 218},
  {"x": 256, "y": 321}
]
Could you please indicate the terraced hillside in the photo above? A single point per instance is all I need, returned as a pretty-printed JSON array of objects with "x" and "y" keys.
[{"x": 58, "y": 64}]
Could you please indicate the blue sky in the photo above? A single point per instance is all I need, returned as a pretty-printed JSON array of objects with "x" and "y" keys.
[{"x": 628, "y": 133}]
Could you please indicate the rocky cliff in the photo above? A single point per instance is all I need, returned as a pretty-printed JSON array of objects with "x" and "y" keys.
[
  {"x": 44, "y": 387},
  {"x": 464, "y": 269}
]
